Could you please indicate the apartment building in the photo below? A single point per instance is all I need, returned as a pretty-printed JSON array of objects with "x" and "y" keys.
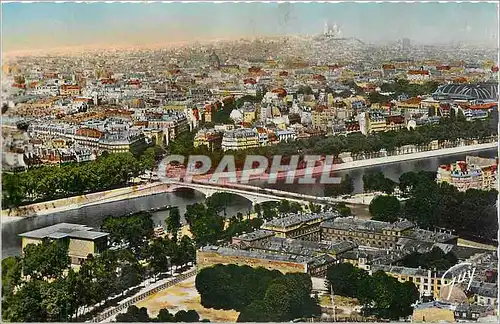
[
  {"x": 323, "y": 117},
  {"x": 69, "y": 90},
  {"x": 378, "y": 234},
  {"x": 240, "y": 139},
  {"x": 473, "y": 173},
  {"x": 286, "y": 263},
  {"x": 299, "y": 226},
  {"x": 209, "y": 138}
]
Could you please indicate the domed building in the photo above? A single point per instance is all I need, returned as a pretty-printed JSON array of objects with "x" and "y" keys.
[
  {"x": 480, "y": 91},
  {"x": 214, "y": 60}
]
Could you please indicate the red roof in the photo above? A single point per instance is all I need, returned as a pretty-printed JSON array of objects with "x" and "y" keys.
[
  {"x": 417, "y": 72},
  {"x": 484, "y": 106},
  {"x": 319, "y": 77},
  {"x": 443, "y": 67},
  {"x": 254, "y": 69},
  {"x": 249, "y": 81},
  {"x": 280, "y": 91}
]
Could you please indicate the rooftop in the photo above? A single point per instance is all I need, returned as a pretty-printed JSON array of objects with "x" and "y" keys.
[
  {"x": 356, "y": 224},
  {"x": 63, "y": 230},
  {"x": 256, "y": 255},
  {"x": 255, "y": 235},
  {"x": 296, "y": 219},
  {"x": 300, "y": 247}
]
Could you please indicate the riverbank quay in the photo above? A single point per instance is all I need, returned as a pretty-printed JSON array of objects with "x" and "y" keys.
[{"x": 54, "y": 206}]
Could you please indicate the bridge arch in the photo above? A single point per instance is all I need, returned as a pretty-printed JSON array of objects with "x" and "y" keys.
[{"x": 254, "y": 199}]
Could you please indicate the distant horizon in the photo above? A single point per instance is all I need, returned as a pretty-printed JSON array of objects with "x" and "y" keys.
[{"x": 52, "y": 27}]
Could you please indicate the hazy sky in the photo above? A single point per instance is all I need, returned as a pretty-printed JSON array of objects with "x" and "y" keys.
[{"x": 47, "y": 25}]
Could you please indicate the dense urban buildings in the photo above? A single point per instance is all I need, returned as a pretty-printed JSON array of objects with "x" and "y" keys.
[{"x": 86, "y": 135}]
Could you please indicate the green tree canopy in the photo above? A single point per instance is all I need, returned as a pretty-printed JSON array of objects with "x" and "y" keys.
[{"x": 385, "y": 208}]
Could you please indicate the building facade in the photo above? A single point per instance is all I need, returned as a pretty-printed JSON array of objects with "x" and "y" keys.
[{"x": 82, "y": 240}]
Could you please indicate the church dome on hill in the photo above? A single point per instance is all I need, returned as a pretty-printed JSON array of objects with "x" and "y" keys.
[
  {"x": 481, "y": 91},
  {"x": 214, "y": 60}
]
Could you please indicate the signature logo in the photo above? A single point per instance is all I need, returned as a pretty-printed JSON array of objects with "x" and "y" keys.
[{"x": 459, "y": 273}]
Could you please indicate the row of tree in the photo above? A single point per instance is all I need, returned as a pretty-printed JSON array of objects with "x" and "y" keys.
[
  {"x": 140, "y": 315},
  {"x": 433, "y": 205},
  {"x": 379, "y": 294},
  {"x": 41, "y": 286},
  {"x": 402, "y": 87},
  {"x": 29, "y": 297},
  {"x": 260, "y": 295},
  {"x": 44, "y": 183},
  {"x": 447, "y": 130}
]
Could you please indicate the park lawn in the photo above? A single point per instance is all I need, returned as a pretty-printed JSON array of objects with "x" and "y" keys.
[{"x": 184, "y": 296}]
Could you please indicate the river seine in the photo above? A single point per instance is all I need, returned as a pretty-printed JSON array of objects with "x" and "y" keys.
[{"x": 94, "y": 215}]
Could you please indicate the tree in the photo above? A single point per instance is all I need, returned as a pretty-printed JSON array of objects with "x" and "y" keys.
[
  {"x": 385, "y": 208},
  {"x": 219, "y": 201},
  {"x": 343, "y": 210},
  {"x": 134, "y": 314},
  {"x": 11, "y": 274},
  {"x": 257, "y": 209},
  {"x": 46, "y": 260},
  {"x": 132, "y": 231},
  {"x": 269, "y": 210},
  {"x": 376, "y": 181},
  {"x": 257, "y": 312},
  {"x": 191, "y": 316},
  {"x": 157, "y": 255},
  {"x": 13, "y": 194},
  {"x": 187, "y": 250},
  {"x": 208, "y": 228},
  {"x": 345, "y": 279},
  {"x": 259, "y": 294},
  {"x": 57, "y": 303},
  {"x": 26, "y": 304},
  {"x": 434, "y": 259},
  {"x": 148, "y": 158},
  {"x": 173, "y": 222},
  {"x": 409, "y": 180},
  {"x": 164, "y": 316}
]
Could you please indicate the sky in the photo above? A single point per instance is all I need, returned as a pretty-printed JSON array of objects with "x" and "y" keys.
[{"x": 30, "y": 26}]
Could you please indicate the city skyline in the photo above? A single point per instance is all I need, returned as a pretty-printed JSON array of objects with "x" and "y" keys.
[{"x": 44, "y": 26}]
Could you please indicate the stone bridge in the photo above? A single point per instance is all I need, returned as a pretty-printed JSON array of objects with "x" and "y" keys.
[{"x": 258, "y": 195}]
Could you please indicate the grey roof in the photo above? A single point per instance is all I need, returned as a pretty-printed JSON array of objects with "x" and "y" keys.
[
  {"x": 412, "y": 245},
  {"x": 300, "y": 247},
  {"x": 401, "y": 270},
  {"x": 62, "y": 230},
  {"x": 477, "y": 91},
  {"x": 256, "y": 255},
  {"x": 255, "y": 235},
  {"x": 320, "y": 260},
  {"x": 356, "y": 224},
  {"x": 87, "y": 235},
  {"x": 485, "y": 289},
  {"x": 434, "y": 304},
  {"x": 464, "y": 307},
  {"x": 296, "y": 219},
  {"x": 401, "y": 225},
  {"x": 429, "y": 236}
]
